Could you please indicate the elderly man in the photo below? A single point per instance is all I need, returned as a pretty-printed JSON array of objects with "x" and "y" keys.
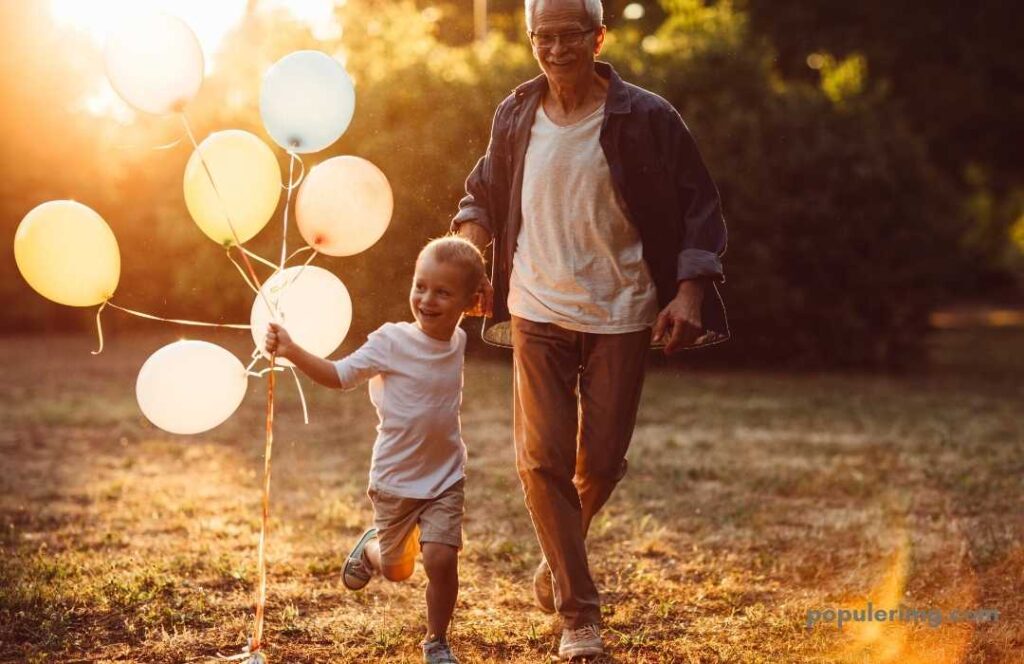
[{"x": 607, "y": 234}]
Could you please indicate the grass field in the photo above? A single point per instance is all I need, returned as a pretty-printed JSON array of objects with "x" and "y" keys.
[{"x": 752, "y": 499}]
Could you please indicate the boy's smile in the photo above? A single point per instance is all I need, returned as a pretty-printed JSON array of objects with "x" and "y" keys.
[{"x": 439, "y": 296}]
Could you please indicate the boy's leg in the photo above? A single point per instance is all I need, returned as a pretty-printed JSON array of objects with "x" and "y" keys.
[
  {"x": 393, "y": 552},
  {"x": 372, "y": 553},
  {"x": 441, "y": 538},
  {"x": 441, "y": 563}
]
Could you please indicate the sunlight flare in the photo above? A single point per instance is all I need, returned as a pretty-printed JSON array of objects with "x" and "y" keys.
[{"x": 908, "y": 634}]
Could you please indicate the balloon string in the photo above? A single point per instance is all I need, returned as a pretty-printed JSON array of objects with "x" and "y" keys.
[
  {"x": 99, "y": 328},
  {"x": 299, "y": 251},
  {"x": 255, "y": 359},
  {"x": 302, "y": 397},
  {"x": 258, "y": 258},
  {"x": 178, "y": 321},
  {"x": 261, "y": 596},
  {"x": 287, "y": 205},
  {"x": 299, "y": 273},
  {"x": 224, "y": 209},
  {"x": 238, "y": 267},
  {"x": 165, "y": 146},
  {"x": 294, "y": 184}
]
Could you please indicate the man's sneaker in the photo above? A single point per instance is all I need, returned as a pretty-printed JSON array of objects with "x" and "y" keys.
[
  {"x": 543, "y": 590},
  {"x": 438, "y": 652},
  {"x": 357, "y": 571},
  {"x": 582, "y": 642}
]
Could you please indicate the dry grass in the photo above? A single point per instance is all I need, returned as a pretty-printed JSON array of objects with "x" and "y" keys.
[{"x": 752, "y": 498}]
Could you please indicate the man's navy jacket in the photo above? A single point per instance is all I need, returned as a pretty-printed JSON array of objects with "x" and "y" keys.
[{"x": 656, "y": 169}]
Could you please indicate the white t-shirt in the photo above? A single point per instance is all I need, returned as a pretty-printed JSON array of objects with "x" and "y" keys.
[
  {"x": 579, "y": 260},
  {"x": 416, "y": 386}
]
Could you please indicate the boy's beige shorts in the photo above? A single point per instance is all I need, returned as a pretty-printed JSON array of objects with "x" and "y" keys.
[{"x": 404, "y": 524}]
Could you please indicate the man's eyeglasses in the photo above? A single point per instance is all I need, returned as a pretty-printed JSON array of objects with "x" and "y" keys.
[{"x": 549, "y": 39}]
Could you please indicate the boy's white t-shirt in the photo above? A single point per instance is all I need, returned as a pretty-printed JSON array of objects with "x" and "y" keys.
[{"x": 416, "y": 386}]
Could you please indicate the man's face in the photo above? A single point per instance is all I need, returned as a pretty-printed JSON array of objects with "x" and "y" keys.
[{"x": 569, "y": 57}]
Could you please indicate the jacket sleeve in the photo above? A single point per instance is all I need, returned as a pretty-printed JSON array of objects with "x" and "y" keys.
[
  {"x": 703, "y": 232},
  {"x": 476, "y": 205}
]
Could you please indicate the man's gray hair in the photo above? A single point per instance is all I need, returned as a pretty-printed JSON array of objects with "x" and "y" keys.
[{"x": 594, "y": 10}]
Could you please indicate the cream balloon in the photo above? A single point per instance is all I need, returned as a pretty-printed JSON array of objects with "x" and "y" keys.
[
  {"x": 343, "y": 206},
  {"x": 155, "y": 63},
  {"x": 188, "y": 387},
  {"x": 67, "y": 253},
  {"x": 310, "y": 302},
  {"x": 306, "y": 101},
  {"x": 248, "y": 178}
]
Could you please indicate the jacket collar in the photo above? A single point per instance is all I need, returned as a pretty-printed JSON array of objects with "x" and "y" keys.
[{"x": 617, "y": 100}]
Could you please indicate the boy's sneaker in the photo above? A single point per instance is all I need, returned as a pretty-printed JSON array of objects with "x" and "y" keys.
[
  {"x": 357, "y": 571},
  {"x": 438, "y": 652},
  {"x": 582, "y": 642},
  {"x": 543, "y": 590}
]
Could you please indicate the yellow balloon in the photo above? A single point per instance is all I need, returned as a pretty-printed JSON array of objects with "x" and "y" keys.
[
  {"x": 245, "y": 172},
  {"x": 68, "y": 254}
]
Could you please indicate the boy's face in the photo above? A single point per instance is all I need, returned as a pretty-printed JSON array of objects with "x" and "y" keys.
[{"x": 439, "y": 296}]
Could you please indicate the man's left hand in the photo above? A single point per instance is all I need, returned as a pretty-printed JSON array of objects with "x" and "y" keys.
[{"x": 680, "y": 321}]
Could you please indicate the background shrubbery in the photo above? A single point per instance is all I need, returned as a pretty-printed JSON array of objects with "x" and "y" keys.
[{"x": 850, "y": 218}]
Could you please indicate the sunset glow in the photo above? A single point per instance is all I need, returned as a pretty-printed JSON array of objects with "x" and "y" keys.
[{"x": 211, "y": 21}]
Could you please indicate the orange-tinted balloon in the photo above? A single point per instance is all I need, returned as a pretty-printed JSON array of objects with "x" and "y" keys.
[{"x": 343, "y": 206}]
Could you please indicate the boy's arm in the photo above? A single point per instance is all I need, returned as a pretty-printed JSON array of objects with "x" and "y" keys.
[{"x": 317, "y": 368}]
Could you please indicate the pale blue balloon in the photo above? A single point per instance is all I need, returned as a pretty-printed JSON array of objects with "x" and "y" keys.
[{"x": 306, "y": 101}]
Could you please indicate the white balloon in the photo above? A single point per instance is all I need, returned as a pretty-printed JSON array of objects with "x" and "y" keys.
[
  {"x": 155, "y": 63},
  {"x": 190, "y": 386},
  {"x": 306, "y": 101},
  {"x": 311, "y": 303}
]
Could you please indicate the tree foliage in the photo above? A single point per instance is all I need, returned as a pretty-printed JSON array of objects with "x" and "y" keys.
[{"x": 842, "y": 233}]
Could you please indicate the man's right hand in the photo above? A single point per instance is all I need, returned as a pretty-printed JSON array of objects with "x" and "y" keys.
[
  {"x": 484, "y": 304},
  {"x": 480, "y": 237}
]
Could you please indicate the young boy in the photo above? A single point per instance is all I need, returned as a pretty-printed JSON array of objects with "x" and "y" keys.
[{"x": 416, "y": 474}]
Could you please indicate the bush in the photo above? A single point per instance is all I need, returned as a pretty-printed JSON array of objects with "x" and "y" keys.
[
  {"x": 839, "y": 228},
  {"x": 841, "y": 238}
]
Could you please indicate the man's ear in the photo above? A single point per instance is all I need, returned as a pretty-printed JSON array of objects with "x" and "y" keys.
[{"x": 599, "y": 39}]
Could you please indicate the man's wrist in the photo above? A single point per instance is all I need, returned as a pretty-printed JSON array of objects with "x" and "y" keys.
[
  {"x": 695, "y": 286},
  {"x": 475, "y": 233}
]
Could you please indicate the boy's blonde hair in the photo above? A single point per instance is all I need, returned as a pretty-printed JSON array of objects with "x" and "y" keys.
[{"x": 460, "y": 252}]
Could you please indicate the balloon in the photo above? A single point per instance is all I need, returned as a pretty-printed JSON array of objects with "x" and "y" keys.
[
  {"x": 343, "y": 206},
  {"x": 312, "y": 304},
  {"x": 306, "y": 101},
  {"x": 189, "y": 387},
  {"x": 67, "y": 253},
  {"x": 155, "y": 63},
  {"x": 248, "y": 178}
]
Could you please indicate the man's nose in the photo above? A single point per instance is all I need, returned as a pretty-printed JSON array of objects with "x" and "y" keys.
[{"x": 558, "y": 47}]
